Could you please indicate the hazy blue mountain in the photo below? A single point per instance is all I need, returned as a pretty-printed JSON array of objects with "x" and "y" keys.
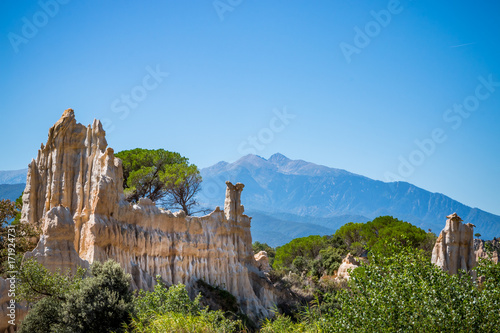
[
  {"x": 294, "y": 198},
  {"x": 11, "y": 191},
  {"x": 315, "y": 195},
  {"x": 275, "y": 231},
  {"x": 13, "y": 176}
]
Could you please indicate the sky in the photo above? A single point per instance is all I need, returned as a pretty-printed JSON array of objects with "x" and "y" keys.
[{"x": 392, "y": 90}]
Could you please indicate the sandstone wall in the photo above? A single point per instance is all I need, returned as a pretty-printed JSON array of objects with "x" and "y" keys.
[
  {"x": 454, "y": 248},
  {"x": 74, "y": 191},
  {"x": 348, "y": 264}
]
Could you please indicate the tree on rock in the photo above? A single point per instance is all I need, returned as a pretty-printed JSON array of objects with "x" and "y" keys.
[{"x": 164, "y": 177}]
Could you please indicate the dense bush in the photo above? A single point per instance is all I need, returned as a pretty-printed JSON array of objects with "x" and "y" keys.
[
  {"x": 320, "y": 255},
  {"x": 171, "y": 310},
  {"x": 100, "y": 300},
  {"x": 271, "y": 252},
  {"x": 405, "y": 292},
  {"x": 63, "y": 303},
  {"x": 313, "y": 254},
  {"x": 374, "y": 234}
]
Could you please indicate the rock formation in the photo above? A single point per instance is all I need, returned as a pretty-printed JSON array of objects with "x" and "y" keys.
[
  {"x": 480, "y": 248},
  {"x": 348, "y": 263},
  {"x": 74, "y": 192},
  {"x": 262, "y": 261},
  {"x": 454, "y": 248}
]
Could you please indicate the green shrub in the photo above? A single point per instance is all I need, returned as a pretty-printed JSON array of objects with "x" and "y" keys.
[
  {"x": 282, "y": 324},
  {"x": 331, "y": 258},
  {"x": 407, "y": 293},
  {"x": 308, "y": 248},
  {"x": 271, "y": 251},
  {"x": 101, "y": 303},
  {"x": 63, "y": 303},
  {"x": 403, "y": 292},
  {"x": 204, "y": 322},
  {"x": 171, "y": 310},
  {"x": 373, "y": 235},
  {"x": 44, "y": 317},
  {"x": 163, "y": 299}
]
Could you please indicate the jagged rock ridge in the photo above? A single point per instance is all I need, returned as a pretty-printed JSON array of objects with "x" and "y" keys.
[{"x": 74, "y": 191}]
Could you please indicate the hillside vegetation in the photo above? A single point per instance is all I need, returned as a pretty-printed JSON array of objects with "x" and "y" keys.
[
  {"x": 11, "y": 191},
  {"x": 396, "y": 289}
]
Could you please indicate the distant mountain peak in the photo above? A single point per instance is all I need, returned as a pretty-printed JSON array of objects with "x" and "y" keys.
[
  {"x": 13, "y": 176},
  {"x": 280, "y": 185},
  {"x": 220, "y": 164},
  {"x": 252, "y": 159},
  {"x": 278, "y": 159}
]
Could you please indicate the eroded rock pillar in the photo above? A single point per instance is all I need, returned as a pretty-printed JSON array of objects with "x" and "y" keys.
[
  {"x": 232, "y": 205},
  {"x": 454, "y": 248}
]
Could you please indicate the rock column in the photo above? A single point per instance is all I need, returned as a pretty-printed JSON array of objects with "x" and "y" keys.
[{"x": 454, "y": 248}]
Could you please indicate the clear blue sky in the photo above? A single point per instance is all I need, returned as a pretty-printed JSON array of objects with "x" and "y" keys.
[{"x": 359, "y": 100}]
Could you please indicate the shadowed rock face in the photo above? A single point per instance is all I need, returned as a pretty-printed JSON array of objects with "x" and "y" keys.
[
  {"x": 74, "y": 192},
  {"x": 454, "y": 248}
]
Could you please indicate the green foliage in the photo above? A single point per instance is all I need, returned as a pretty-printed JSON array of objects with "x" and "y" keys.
[
  {"x": 222, "y": 298},
  {"x": 372, "y": 235},
  {"x": 331, "y": 258},
  {"x": 205, "y": 322},
  {"x": 98, "y": 303},
  {"x": 101, "y": 303},
  {"x": 489, "y": 273},
  {"x": 491, "y": 246},
  {"x": 171, "y": 310},
  {"x": 37, "y": 282},
  {"x": 8, "y": 210},
  {"x": 161, "y": 176},
  {"x": 162, "y": 300},
  {"x": 44, "y": 316},
  {"x": 405, "y": 292},
  {"x": 15, "y": 238},
  {"x": 306, "y": 248},
  {"x": 282, "y": 324},
  {"x": 314, "y": 255},
  {"x": 271, "y": 251}
]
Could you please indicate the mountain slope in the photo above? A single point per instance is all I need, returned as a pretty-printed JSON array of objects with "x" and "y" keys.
[
  {"x": 283, "y": 186},
  {"x": 11, "y": 191},
  {"x": 275, "y": 231},
  {"x": 13, "y": 176}
]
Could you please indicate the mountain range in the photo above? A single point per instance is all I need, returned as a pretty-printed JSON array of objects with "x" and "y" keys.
[
  {"x": 11, "y": 191},
  {"x": 13, "y": 176},
  {"x": 280, "y": 192},
  {"x": 294, "y": 198}
]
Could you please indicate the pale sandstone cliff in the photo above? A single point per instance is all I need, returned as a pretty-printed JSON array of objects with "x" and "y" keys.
[
  {"x": 262, "y": 261},
  {"x": 74, "y": 191},
  {"x": 454, "y": 248},
  {"x": 348, "y": 264}
]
